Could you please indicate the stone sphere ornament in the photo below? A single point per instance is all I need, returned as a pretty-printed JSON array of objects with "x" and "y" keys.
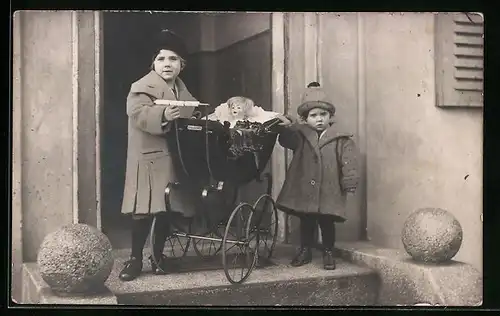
[
  {"x": 75, "y": 259},
  {"x": 432, "y": 235}
]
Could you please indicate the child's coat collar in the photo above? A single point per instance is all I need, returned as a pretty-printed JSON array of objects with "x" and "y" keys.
[
  {"x": 328, "y": 135},
  {"x": 152, "y": 79}
]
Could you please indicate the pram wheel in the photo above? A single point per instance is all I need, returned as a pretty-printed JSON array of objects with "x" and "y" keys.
[
  {"x": 265, "y": 222},
  {"x": 239, "y": 250},
  {"x": 214, "y": 198},
  {"x": 208, "y": 248},
  {"x": 176, "y": 245}
]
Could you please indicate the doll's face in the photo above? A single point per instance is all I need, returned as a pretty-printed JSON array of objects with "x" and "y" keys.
[
  {"x": 239, "y": 107},
  {"x": 318, "y": 119},
  {"x": 168, "y": 64},
  {"x": 237, "y": 110}
]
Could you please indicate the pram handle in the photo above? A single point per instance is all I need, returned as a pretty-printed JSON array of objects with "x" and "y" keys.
[
  {"x": 268, "y": 125},
  {"x": 180, "y": 103}
]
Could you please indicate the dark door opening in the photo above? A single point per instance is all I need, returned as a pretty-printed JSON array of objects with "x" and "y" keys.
[{"x": 242, "y": 68}]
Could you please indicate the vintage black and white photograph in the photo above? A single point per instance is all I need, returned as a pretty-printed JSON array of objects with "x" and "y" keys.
[{"x": 176, "y": 158}]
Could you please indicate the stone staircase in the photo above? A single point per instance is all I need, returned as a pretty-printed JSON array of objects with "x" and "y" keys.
[
  {"x": 366, "y": 275},
  {"x": 200, "y": 282}
]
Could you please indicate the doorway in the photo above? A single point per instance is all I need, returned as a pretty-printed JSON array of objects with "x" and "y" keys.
[{"x": 218, "y": 67}]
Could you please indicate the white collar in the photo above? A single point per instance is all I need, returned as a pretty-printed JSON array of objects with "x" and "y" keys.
[{"x": 322, "y": 133}]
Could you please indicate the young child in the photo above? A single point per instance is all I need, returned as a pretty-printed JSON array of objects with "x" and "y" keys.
[
  {"x": 322, "y": 173},
  {"x": 239, "y": 108}
]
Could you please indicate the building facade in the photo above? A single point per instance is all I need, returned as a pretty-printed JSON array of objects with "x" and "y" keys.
[{"x": 408, "y": 85}]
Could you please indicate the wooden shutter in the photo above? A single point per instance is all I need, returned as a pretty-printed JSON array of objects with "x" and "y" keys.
[{"x": 459, "y": 59}]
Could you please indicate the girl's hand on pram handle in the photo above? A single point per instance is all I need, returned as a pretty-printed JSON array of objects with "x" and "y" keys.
[
  {"x": 171, "y": 113},
  {"x": 196, "y": 115}
]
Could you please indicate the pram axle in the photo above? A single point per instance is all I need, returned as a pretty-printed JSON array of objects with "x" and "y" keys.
[{"x": 209, "y": 238}]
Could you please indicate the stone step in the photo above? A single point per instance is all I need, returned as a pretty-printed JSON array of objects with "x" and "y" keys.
[{"x": 202, "y": 282}]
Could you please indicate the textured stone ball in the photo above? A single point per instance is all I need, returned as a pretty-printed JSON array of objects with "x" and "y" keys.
[
  {"x": 75, "y": 259},
  {"x": 432, "y": 235}
]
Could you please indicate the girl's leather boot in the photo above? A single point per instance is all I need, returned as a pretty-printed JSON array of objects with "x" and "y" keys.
[{"x": 132, "y": 269}]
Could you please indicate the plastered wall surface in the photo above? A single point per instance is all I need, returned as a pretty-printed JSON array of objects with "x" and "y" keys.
[
  {"x": 46, "y": 106},
  {"x": 418, "y": 155}
]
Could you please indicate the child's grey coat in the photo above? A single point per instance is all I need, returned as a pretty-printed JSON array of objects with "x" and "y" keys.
[
  {"x": 316, "y": 182},
  {"x": 149, "y": 164}
]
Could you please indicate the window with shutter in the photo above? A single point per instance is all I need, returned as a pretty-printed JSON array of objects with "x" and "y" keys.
[{"x": 459, "y": 59}]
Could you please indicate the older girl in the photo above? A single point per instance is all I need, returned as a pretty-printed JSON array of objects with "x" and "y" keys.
[{"x": 149, "y": 165}]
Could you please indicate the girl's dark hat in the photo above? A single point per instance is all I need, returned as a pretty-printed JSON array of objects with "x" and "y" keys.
[
  {"x": 166, "y": 39},
  {"x": 315, "y": 97}
]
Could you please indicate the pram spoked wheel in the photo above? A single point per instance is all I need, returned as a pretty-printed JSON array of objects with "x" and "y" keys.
[
  {"x": 208, "y": 248},
  {"x": 239, "y": 249},
  {"x": 211, "y": 244},
  {"x": 264, "y": 221},
  {"x": 176, "y": 245}
]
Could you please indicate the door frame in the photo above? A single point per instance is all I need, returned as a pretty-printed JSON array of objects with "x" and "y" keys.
[
  {"x": 87, "y": 47},
  {"x": 279, "y": 159},
  {"x": 277, "y": 167},
  {"x": 279, "y": 96},
  {"x": 313, "y": 72},
  {"x": 99, "y": 45}
]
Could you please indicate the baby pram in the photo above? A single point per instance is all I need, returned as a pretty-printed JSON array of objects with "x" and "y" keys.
[{"x": 216, "y": 161}]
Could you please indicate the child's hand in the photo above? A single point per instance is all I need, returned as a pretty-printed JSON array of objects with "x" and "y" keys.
[
  {"x": 284, "y": 121},
  {"x": 171, "y": 113}
]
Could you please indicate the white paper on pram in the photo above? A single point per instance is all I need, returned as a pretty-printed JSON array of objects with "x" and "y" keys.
[
  {"x": 186, "y": 108},
  {"x": 257, "y": 114}
]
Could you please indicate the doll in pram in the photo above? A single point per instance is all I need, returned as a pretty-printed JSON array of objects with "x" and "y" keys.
[{"x": 217, "y": 157}]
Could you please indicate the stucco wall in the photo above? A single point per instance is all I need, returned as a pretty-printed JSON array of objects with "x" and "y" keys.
[
  {"x": 46, "y": 140},
  {"x": 418, "y": 155}
]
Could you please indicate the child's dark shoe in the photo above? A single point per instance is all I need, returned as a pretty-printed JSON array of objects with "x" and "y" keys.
[
  {"x": 304, "y": 256},
  {"x": 132, "y": 269},
  {"x": 328, "y": 260}
]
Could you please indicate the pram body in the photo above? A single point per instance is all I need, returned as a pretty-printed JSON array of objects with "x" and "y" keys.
[
  {"x": 216, "y": 161},
  {"x": 204, "y": 149}
]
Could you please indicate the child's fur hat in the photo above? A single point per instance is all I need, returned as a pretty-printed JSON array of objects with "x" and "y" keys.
[{"x": 315, "y": 97}]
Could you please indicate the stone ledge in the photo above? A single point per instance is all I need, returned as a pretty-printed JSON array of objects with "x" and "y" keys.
[
  {"x": 406, "y": 282},
  {"x": 355, "y": 290},
  {"x": 278, "y": 284},
  {"x": 36, "y": 291}
]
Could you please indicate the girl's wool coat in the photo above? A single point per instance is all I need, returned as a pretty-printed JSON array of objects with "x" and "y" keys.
[
  {"x": 321, "y": 172},
  {"x": 149, "y": 162}
]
